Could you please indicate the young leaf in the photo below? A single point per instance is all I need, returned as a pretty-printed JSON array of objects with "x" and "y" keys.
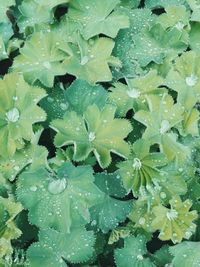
[
  {"x": 141, "y": 171},
  {"x": 98, "y": 17},
  {"x": 19, "y": 111},
  {"x": 134, "y": 253},
  {"x": 104, "y": 134},
  {"x": 58, "y": 200},
  {"x": 54, "y": 248},
  {"x": 176, "y": 222}
]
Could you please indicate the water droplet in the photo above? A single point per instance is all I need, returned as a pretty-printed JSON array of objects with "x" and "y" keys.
[
  {"x": 142, "y": 221},
  {"x": 191, "y": 80},
  {"x": 91, "y": 136},
  {"x": 12, "y": 115},
  {"x": 33, "y": 188},
  {"x": 50, "y": 99},
  {"x": 165, "y": 126},
  {"x": 133, "y": 93},
  {"x": 47, "y": 64},
  {"x": 57, "y": 186},
  {"x": 140, "y": 257},
  {"x": 64, "y": 106},
  {"x": 137, "y": 164},
  {"x": 172, "y": 215},
  {"x": 84, "y": 60}
]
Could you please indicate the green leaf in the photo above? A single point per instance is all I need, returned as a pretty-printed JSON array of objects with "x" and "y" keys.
[
  {"x": 8, "y": 230},
  {"x": 162, "y": 257},
  {"x": 156, "y": 44},
  {"x": 58, "y": 200},
  {"x": 162, "y": 3},
  {"x": 176, "y": 222},
  {"x": 18, "y": 112},
  {"x": 41, "y": 58},
  {"x": 140, "y": 19},
  {"x": 28, "y": 18},
  {"x": 4, "y": 8},
  {"x": 80, "y": 94},
  {"x": 89, "y": 60},
  {"x": 130, "y": 3},
  {"x": 51, "y": 3},
  {"x": 185, "y": 80},
  {"x": 54, "y": 248},
  {"x": 186, "y": 254},
  {"x": 55, "y": 104},
  {"x": 194, "y": 37},
  {"x": 98, "y": 17},
  {"x": 134, "y": 253},
  {"x": 31, "y": 155},
  {"x": 104, "y": 134},
  {"x": 6, "y": 32},
  {"x": 141, "y": 171},
  {"x": 133, "y": 95},
  {"x": 163, "y": 115},
  {"x": 107, "y": 214},
  {"x": 194, "y": 5},
  {"x": 190, "y": 123}
]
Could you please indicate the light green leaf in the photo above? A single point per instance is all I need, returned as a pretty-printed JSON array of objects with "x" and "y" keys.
[
  {"x": 176, "y": 222},
  {"x": 60, "y": 200},
  {"x": 107, "y": 214},
  {"x": 134, "y": 253},
  {"x": 41, "y": 58},
  {"x": 6, "y": 32},
  {"x": 141, "y": 171},
  {"x": 89, "y": 60},
  {"x": 98, "y": 17},
  {"x": 184, "y": 78},
  {"x": 190, "y": 123},
  {"x": 195, "y": 6},
  {"x": 104, "y": 134},
  {"x": 8, "y": 230},
  {"x": 194, "y": 37},
  {"x": 162, "y": 257},
  {"x": 51, "y": 3},
  {"x": 54, "y": 248},
  {"x": 18, "y": 112},
  {"x": 133, "y": 95},
  {"x": 31, "y": 155},
  {"x": 130, "y": 3},
  {"x": 186, "y": 254}
]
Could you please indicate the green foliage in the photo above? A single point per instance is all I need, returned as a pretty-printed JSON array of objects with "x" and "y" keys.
[{"x": 99, "y": 133}]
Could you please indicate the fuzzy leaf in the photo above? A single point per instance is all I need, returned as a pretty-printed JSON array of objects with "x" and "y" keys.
[
  {"x": 18, "y": 112},
  {"x": 89, "y": 60},
  {"x": 8, "y": 230},
  {"x": 163, "y": 3},
  {"x": 98, "y": 17},
  {"x": 184, "y": 78},
  {"x": 28, "y": 18},
  {"x": 54, "y": 248},
  {"x": 59, "y": 201},
  {"x": 6, "y": 32},
  {"x": 186, "y": 254},
  {"x": 81, "y": 94},
  {"x": 175, "y": 223},
  {"x": 32, "y": 155},
  {"x": 4, "y": 8},
  {"x": 141, "y": 170},
  {"x": 111, "y": 210},
  {"x": 133, "y": 95},
  {"x": 163, "y": 114},
  {"x": 104, "y": 134},
  {"x": 41, "y": 58},
  {"x": 134, "y": 253},
  {"x": 194, "y": 5}
]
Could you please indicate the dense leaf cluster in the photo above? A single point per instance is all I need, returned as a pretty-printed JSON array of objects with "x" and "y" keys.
[{"x": 99, "y": 133}]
